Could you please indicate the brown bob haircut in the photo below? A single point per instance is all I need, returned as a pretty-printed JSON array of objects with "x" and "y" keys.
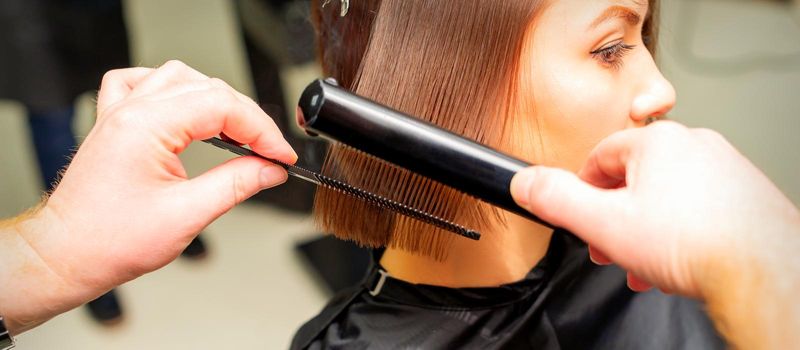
[{"x": 452, "y": 63}]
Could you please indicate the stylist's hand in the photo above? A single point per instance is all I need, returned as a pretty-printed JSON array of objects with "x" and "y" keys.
[
  {"x": 680, "y": 209},
  {"x": 668, "y": 203},
  {"x": 125, "y": 206}
]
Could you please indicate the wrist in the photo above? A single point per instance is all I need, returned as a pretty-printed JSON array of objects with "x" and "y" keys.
[
  {"x": 34, "y": 289},
  {"x": 751, "y": 291}
]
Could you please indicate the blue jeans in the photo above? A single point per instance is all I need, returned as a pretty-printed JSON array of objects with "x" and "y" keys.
[{"x": 53, "y": 141}]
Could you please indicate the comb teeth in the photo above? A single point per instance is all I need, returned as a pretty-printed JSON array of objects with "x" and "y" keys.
[
  {"x": 369, "y": 197},
  {"x": 382, "y": 202},
  {"x": 400, "y": 208}
]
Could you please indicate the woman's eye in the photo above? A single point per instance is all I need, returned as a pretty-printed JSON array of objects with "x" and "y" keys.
[{"x": 612, "y": 55}]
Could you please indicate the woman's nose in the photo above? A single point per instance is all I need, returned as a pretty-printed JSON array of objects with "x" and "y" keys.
[{"x": 656, "y": 97}]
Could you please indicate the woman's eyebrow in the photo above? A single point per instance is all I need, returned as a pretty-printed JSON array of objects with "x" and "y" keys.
[{"x": 629, "y": 15}]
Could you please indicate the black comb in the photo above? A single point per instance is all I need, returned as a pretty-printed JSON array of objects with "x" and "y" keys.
[{"x": 374, "y": 199}]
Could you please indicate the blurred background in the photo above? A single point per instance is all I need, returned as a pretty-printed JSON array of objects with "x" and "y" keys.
[{"x": 257, "y": 273}]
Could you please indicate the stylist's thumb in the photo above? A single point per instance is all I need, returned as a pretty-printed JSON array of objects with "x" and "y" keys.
[
  {"x": 228, "y": 184},
  {"x": 562, "y": 199}
]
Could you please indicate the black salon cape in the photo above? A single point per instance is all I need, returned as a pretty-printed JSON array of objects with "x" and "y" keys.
[{"x": 565, "y": 302}]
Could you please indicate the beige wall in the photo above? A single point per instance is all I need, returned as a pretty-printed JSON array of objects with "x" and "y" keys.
[
  {"x": 738, "y": 72},
  {"x": 202, "y": 33},
  {"x": 19, "y": 177}
]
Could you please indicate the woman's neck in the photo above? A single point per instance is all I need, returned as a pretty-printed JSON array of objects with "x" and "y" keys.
[{"x": 498, "y": 258}]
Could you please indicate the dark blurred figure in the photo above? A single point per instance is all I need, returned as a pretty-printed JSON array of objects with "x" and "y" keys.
[
  {"x": 277, "y": 37},
  {"x": 52, "y": 51}
]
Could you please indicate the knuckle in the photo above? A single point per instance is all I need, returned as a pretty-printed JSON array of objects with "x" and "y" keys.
[
  {"x": 219, "y": 83},
  {"x": 174, "y": 64},
  {"x": 222, "y": 84},
  {"x": 110, "y": 76},
  {"x": 239, "y": 187},
  {"x": 173, "y": 67},
  {"x": 223, "y": 96}
]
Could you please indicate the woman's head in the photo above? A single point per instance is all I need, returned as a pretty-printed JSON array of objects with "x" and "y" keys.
[
  {"x": 587, "y": 71},
  {"x": 543, "y": 80}
]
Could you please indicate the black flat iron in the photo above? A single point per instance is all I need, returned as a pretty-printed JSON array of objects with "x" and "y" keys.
[{"x": 333, "y": 112}]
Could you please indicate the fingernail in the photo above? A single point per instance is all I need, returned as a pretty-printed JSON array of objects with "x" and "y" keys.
[
  {"x": 272, "y": 176},
  {"x": 637, "y": 285},
  {"x": 293, "y": 153},
  {"x": 521, "y": 185}
]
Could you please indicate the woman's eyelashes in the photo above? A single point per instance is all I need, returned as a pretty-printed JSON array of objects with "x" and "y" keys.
[{"x": 612, "y": 55}]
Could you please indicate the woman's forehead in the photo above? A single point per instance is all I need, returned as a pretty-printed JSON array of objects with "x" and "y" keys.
[{"x": 589, "y": 14}]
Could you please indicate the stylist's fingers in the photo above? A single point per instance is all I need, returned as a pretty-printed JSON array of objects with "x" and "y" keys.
[
  {"x": 136, "y": 82},
  {"x": 598, "y": 257},
  {"x": 559, "y": 197},
  {"x": 200, "y": 85},
  {"x": 203, "y": 114},
  {"x": 616, "y": 161},
  {"x": 166, "y": 76},
  {"x": 218, "y": 190},
  {"x": 607, "y": 165},
  {"x": 117, "y": 85},
  {"x": 636, "y": 284}
]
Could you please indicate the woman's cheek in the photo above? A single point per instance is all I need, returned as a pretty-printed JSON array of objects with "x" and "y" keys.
[
  {"x": 582, "y": 117},
  {"x": 578, "y": 106}
]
